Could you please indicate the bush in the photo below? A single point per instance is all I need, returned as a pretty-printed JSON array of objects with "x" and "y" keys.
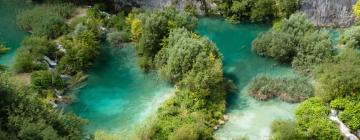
[
  {"x": 26, "y": 117},
  {"x": 81, "y": 52},
  {"x": 351, "y": 37},
  {"x": 289, "y": 89},
  {"x": 315, "y": 48},
  {"x": 257, "y": 10},
  {"x": 156, "y": 25},
  {"x": 29, "y": 56},
  {"x": 311, "y": 116},
  {"x": 41, "y": 80},
  {"x": 285, "y": 130},
  {"x": 116, "y": 39},
  {"x": 295, "y": 40},
  {"x": 341, "y": 77},
  {"x": 46, "y": 20}
]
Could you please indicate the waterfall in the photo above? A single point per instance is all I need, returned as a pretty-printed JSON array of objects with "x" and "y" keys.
[
  {"x": 50, "y": 62},
  {"x": 60, "y": 47},
  {"x": 343, "y": 128}
]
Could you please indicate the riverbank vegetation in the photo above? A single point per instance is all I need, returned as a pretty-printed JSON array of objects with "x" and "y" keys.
[
  {"x": 289, "y": 89},
  {"x": 256, "y": 10},
  {"x": 46, "y": 19},
  {"x": 337, "y": 84},
  {"x": 295, "y": 41},
  {"x": 311, "y": 123},
  {"x": 24, "y": 116}
]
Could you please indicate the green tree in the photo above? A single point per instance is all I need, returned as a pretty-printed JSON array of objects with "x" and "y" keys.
[
  {"x": 156, "y": 25},
  {"x": 341, "y": 77},
  {"x": 46, "y": 79},
  {"x": 29, "y": 56},
  {"x": 46, "y": 20},
  {"x": 351, "y": 37},
  {"x": 24, "y": 116},
  {"x": 315, "y": 48}
]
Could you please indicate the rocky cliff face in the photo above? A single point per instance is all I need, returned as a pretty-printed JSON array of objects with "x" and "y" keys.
[
  {"x": 329, "y": 12},
  {"x": 201, "y": 6}
]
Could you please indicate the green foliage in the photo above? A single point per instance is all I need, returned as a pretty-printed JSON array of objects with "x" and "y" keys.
[
  {"x": 194, "y": 65},
  {"x": 156, "y": 25},
  {"x": 29, "y": 56},
  {"x": 278, "y": 45},
  {"x": 315, "y": 48},
  {"x": 341, "y": 77},
  {"x": 118, "y": 21},
  {"x": 351, "y": 116},
  {"x": 351, "y": 37},
  {"x": 284, "y": 8},
  {"x": 285, "y": 130},
  {"x": 311, "y": 116},
  {"x": 25, "y": 117},
  {"x": 295, "y": 40},
  {"x": 81, "y": 51},
  {"x": 289, "y": 89},
  {"x": 116, "y": 38},
  {"x": 46, "y": 79},
  {"x": 46, "y": 20},
  {"x": 349, "y": 108},
  {"x": 257, "y": 10}
]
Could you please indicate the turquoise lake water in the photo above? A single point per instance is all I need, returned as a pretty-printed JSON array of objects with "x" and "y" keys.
[
  {"x": 248, "y": 117},
  {"x": 10, "y": 34},
  {"x": 118, "y": 95}
]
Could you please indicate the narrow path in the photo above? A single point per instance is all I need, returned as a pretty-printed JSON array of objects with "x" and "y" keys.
[{"x": 343, "y": 128}]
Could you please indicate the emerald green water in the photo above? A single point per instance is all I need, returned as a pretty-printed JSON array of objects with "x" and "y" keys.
[
  {"x": 248, "y": 117},
  {"x": 118, "y": 95},
  {"x": 10, "y": 34}
]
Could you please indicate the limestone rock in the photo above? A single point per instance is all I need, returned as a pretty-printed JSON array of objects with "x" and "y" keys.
[{"x": 329, "y": 12}]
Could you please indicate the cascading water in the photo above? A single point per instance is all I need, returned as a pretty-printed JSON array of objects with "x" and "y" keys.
[{"x": 342, "y": 127}]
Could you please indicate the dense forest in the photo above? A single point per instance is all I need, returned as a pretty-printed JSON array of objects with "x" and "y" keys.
[{"x": 65, "y": 38}]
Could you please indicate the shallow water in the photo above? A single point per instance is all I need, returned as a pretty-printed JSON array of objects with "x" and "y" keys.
[
  {"x": 248, "y": 117},
  {"x": 10, "y": 33},
  {"x": 118, "y": 95}
]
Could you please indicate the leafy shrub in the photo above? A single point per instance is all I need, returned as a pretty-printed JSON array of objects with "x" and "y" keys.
[
  {"x": 46, "y": 20},
  {"x": 311, "y": 116},
  {"x": 46, "y": 79},
  {"x": 285, "y": 130},
  {"x": 351, "y": 37},
  {"x": 81, "y": 52},
  {"x": 156, "y": 25},
  {"x": 257, "y": 10},
  {"x": 289, "y": 89},
  {"x": 341, "y": 77},
  {"x": 117, "y": 38},
  {"x": 29, "y": 56},
  {"x": 295, "y": 40},
  {"x": 315, "y": 48},
  {"x": 26, "y": 117}
]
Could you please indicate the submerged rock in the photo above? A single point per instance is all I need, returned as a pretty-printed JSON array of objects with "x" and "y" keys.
[{"x": 329, "y": 12}]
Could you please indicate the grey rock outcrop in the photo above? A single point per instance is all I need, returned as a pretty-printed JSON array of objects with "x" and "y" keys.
[{"x": 329, "y": 12}]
